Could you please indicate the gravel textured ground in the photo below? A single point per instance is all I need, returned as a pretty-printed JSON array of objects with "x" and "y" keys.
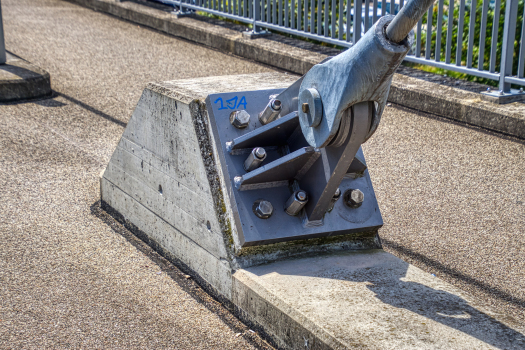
[
  {"x": 452, "y": 196},
  {"x": 453, "y": 203},
  {"x": 67, "y": 278}
]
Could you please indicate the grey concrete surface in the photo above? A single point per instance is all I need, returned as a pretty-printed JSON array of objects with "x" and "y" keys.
[
  {"x": 446, "y": 98},
  {"x": 67, "y": 278},
  {"x": 368, "y": 300},
  {"x": 21, "y": 80},
  {"x": 164, "y": 179},
  {"x": 452, "y": 197}
]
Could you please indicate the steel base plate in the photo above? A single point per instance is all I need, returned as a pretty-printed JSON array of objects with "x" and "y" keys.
[{"x": 280, "y": 226}]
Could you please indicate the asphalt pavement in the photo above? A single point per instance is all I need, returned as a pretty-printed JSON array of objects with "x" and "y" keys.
[
  {"x": 452, "y": 196},
  {"x": 71, "y": 277}
]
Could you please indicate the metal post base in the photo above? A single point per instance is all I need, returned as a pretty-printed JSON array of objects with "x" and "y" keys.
[
  {"x": 181, "y": 14},
  {"x": 500, "y": 97},
  {"x": 250, "y": 34}
]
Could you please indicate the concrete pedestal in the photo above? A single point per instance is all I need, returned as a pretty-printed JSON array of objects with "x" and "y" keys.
[
  {"x": 21, "y": 80},
  {"x": 164, "y": 181}
]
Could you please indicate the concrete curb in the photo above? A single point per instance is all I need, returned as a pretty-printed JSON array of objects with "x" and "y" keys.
[
  {"x": 298, "y": 57},
  {"x": 21, "y": 80}
]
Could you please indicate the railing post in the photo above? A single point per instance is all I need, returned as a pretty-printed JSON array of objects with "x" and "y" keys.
[
  {"x": 509, "y": 34},
  {"x": 256, "y": 14},
  {"x": 3, "y": 57},
  {"x": 358, "y": 8}
]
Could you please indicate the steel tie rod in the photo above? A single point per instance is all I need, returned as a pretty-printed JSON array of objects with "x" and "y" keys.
[{"x": 406, "y": 19}]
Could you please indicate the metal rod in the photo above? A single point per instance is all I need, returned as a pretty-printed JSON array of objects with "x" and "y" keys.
[
  {"x": 334, "y": 11},
  {"x": 319, "y": 17},
  {"x": 340, "y": 20},
  {"x": 406, "y": 19},
  {"x": 286, "y": 13},
  {"x": 367, "y": 15},
  {"x": 509, "y": 33},
  {"x": 3, "y": 56},
  {"x": 292, "y": 14},
  {"x": 358, "y": 7},
  {"x": 312, "y": 16},
  {"x": 305, "y": 15},
  {"x": 521, "y": 62},
  {"x": 418, "y": 38},
  {"x": 374, "y": 14},
  {"x": 439, "y": 28},
  {"x": 326, "y": 16},
  {"x": 450, "y": 29},
  {"x": 483, "y": 34},
  {"x": 495, "y": 34},
  {"x": 471, "y": 32},
  {"x": 428, "y": 45},
  {"x": 348, "y": 20},
  {"x": 461, "y": 24}
]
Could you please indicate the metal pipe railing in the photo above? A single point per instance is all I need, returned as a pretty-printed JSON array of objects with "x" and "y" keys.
[
  {"x": 3, "y": 56},
  {"x": 458, "y": 35}
]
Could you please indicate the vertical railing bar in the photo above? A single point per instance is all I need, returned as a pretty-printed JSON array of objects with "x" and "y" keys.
[
  {"x": 292, "y": 14},
  {"x": 319, "y": 17},
  {"x": 374, "y": 14},
  {"x": 348, "y": 20},
  {"x": 450, "y": 29},
  {"x": 358, "y": 8},
  {"x": 299, "y": 14},
  {"x": 367, "y": 15},
  {"x": 312, "y": 16},
  {"x": 439, "y": 29},
  {"x": 418, "y": 39},
  {"x": 521, "y": 62},
  {"x": 340, "y": 36},
  {"x": 494, "y": 39},
  {"x": 461, "y": 24},
  {"x": 280, "y": 12},
  {"x": 305, "y": 15},
  {"x": 401, "y": 4},
  {"x": 507, "y": 50},
  {"x": 383, "y": 7},
  {"x": 428, "y": 45},
  {"x": 483, "y": 34},
  {"x": 274, "y": 12},
  {"x": 326, "y": 16},
  {"x": 334, "y": 9},
  {"x": 244, "y": 7},
  {"x": 229, "y": 6},
  {"x": 471, "y": 31},
  {"x": 286, "y": 13}
]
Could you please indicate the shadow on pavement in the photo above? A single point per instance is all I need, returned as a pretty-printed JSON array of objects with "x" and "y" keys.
[{"x": 92, "y": 110}]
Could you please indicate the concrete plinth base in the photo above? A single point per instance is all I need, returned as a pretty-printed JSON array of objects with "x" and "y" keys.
[
  {"x": 20, "y": 80},
  {"x": 165, "y": 180}
]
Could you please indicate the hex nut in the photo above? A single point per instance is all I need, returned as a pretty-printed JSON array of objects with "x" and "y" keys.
[
  {"x": 263, "y": 209},
  {"x": 240, "y": 119},
  {"x": 353, "y": 198}
]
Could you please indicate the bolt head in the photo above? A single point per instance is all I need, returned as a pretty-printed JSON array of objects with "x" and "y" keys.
[
  {"x": 305, "y": 108},
  {"x": 337, "y": 193},
  {"x": 263, "y": 208},
  {"x": 521, "y": 89},
  {"x": 240, "y": 119},
  {"x": 353, "y": 198},
  {"x": 301, "y": 196},
  {"x": 259, "y": 152}
]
